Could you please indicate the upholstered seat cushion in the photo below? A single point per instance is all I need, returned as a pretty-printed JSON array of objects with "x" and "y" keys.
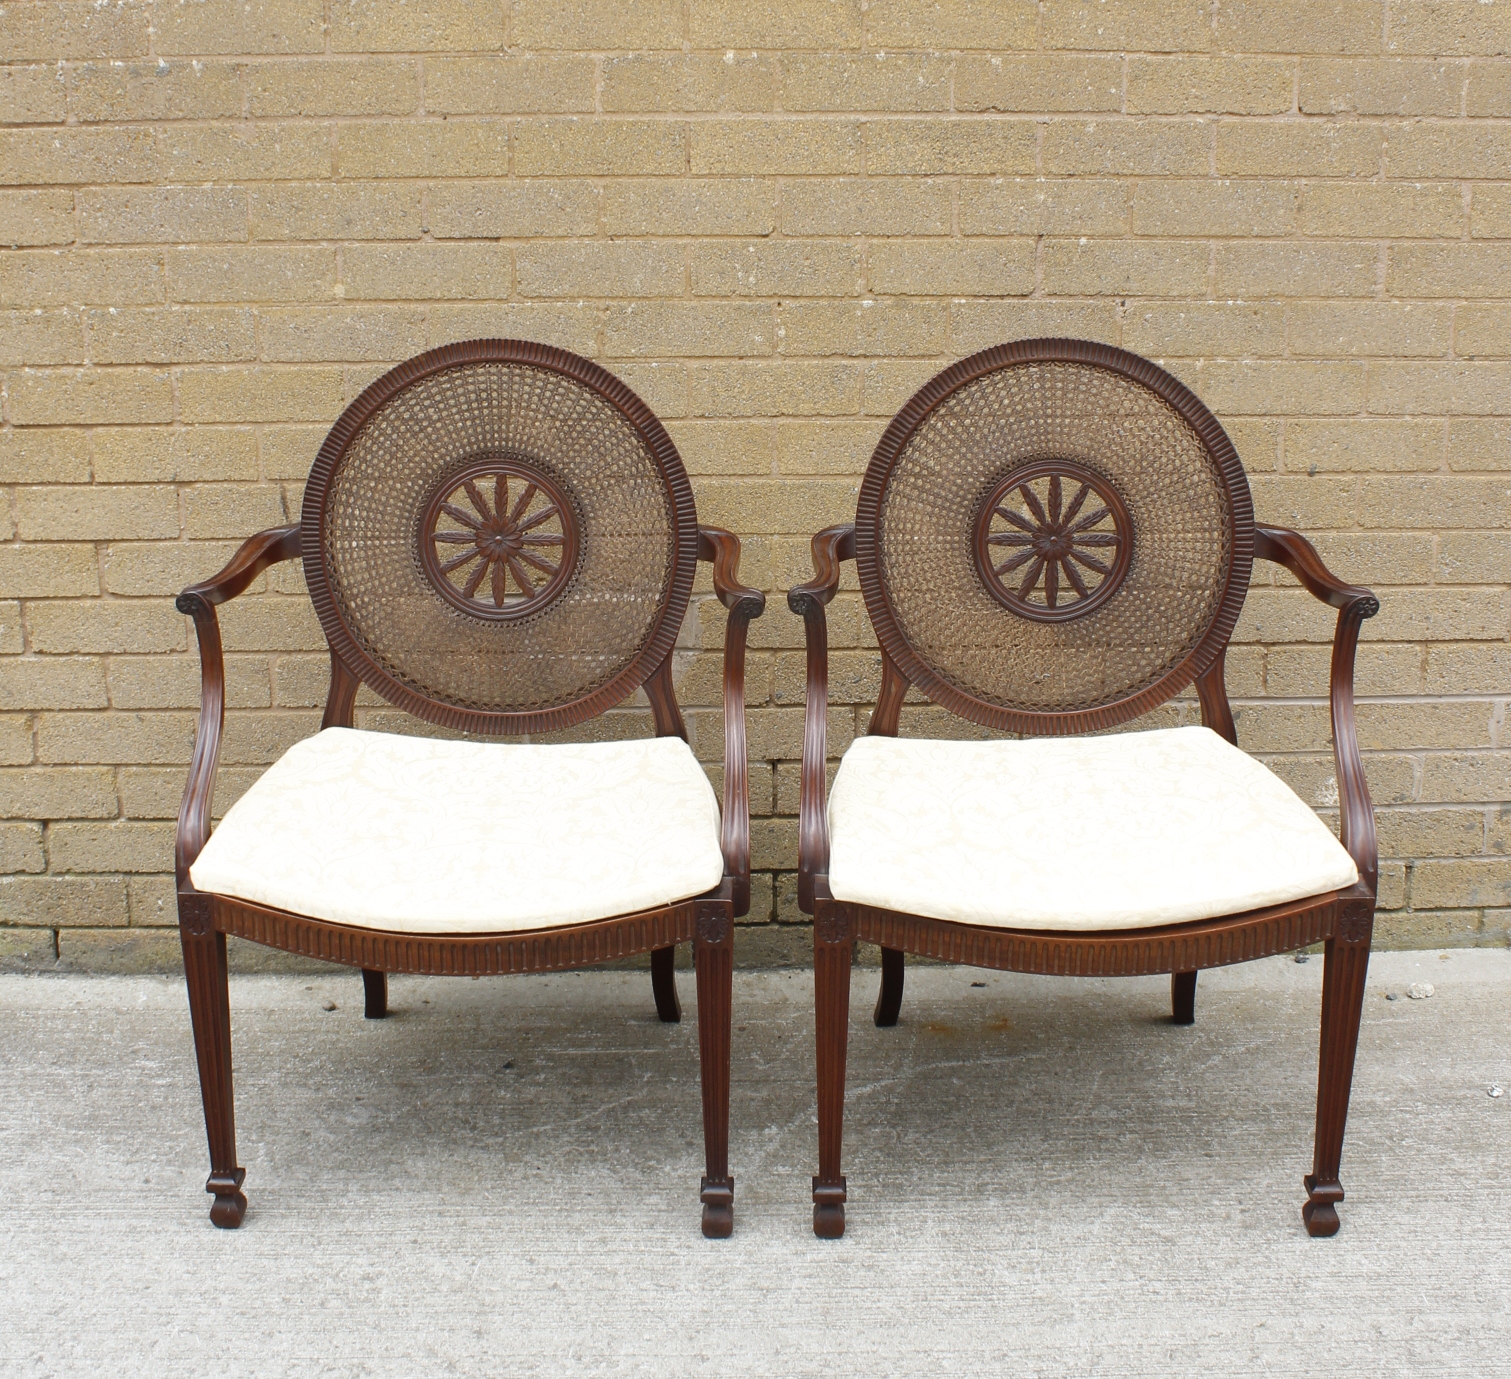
[
  {"x": 1119, "y": 832},
  {"x": 426, "y": 836}
]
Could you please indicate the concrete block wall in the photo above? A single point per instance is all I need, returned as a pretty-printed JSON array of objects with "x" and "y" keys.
[{"x": 774, "y": 219}]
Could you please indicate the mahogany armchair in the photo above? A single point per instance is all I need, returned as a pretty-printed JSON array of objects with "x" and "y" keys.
[
  {"x": 498, "y": 537},
  {"x": 1054, "y": 537}
]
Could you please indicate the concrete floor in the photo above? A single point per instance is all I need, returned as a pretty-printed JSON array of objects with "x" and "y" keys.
[{"x": 1046, "y": 1178}]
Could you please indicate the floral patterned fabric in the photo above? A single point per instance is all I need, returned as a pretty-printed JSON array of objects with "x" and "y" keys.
[
  {"x": 1119, "y": 832},
  {"x": 426, "y": 836}
]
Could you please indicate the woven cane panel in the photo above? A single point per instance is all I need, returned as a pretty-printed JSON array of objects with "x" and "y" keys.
[
  {"x": 1121, "y": 431},
  {"x": 587, "y": 629}
]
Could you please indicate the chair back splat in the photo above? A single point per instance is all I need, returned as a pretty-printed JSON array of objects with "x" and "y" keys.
[
  {"x": 499, "y": 536},
  {"x": 1053, "y": 536}
]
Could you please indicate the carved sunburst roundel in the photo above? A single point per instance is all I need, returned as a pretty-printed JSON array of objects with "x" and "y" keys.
[
  {"x": 1053, "y": 541},
  {"x": 498, "y": 539}
]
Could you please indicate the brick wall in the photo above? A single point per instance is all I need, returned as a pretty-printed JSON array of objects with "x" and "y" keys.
[{"x": 774, "y": 219}]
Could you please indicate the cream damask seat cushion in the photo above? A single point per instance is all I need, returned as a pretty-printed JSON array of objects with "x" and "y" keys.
[
  {"x": 426, "y": 836},
  {"x": 1120, "y": 832}
]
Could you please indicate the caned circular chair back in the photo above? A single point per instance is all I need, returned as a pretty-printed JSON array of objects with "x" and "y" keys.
[
  {"x": 499, "y": 536},
  {"x": 1054, "y": 536}
]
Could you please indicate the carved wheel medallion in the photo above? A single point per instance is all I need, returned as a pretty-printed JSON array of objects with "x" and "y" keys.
[
  {"x": 1053, "y": 541},
  {"x": 498, "y": 539}
]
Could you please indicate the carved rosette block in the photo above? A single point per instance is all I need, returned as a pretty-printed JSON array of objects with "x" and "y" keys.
[
  {"x": 833, "y": 924},
  {"x": 196, "y": 914},
  {"x": 1356, "y": 921},
  {"x": 714, "y": 926}
]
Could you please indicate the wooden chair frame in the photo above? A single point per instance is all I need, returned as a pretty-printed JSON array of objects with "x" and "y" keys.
[
  {"x": 1342, "y": 920},
  {"x": 705, "y": 921}
]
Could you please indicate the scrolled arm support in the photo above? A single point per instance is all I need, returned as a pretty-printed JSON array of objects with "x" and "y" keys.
[
  {"x": 831, "y": 548},
  {"x": 1356, "y": 825},
  {"x": 199, "y": 602},
  {"x": 722, "y": 550}
]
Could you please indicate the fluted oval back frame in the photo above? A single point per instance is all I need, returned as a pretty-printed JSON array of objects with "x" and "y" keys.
[
  {"x": 682, "y": 554},
  {"x": 1231, "y": 488}
]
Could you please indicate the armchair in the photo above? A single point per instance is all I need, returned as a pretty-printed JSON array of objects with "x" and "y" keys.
[
  {"x": 1052, "y": 538},
  {"x": 498, "y": 537}
]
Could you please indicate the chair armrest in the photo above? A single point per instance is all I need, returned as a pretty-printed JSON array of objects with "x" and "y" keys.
[
  {"x": 1299, "y": 556},
  {"x": 722, "y": 550},
  {"x": 256, "y": 554},
  {"x": 830, "y": 548},
  {"x": 199, "y": 601},
  {"x": 1356, "y": 815}
]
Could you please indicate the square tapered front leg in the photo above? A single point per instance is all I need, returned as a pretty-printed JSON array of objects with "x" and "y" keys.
[{"x": 833, "y": 945}]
